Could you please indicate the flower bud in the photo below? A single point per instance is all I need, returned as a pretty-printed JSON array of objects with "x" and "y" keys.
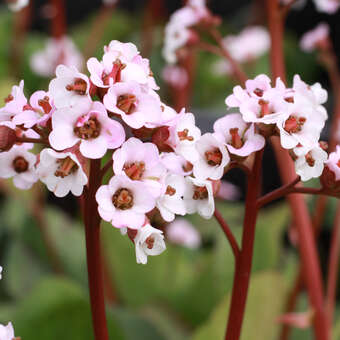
[
  {"x": 7, "y": 138},
  {"x": 160, "y": 137}
]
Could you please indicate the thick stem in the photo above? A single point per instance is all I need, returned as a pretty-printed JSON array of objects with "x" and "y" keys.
[
  {"x": 58, "y": 23},
  {"x": 224, "y": 225},
  {"x": 244, "y": 262},
  {"x": 307, "y": 246},
  {"x": 93, "y": 253},
  {"x": 333, "y": 266}
]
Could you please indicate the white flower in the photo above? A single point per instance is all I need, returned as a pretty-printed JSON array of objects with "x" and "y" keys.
[
  {"x": 69, "y": 86},
  {"x": 213, "y": 158},
  {"x": 57, "y": 51},
  {"x": 327, "y": 6},
  {"x": 171, "y": 202},
  {"x": 310, "y": 162},
  {"x": 61, "y": 172},
  {"x": 19, "y": 164},
  {"x": 198, "y": 197},
  {"x": 182, "y": 232},
  {"x": 311, "y": 39},
  {"x": 149, "y": 241},
  {"x": 17, "y": 5},
  {"x": 7, "y": 332}
]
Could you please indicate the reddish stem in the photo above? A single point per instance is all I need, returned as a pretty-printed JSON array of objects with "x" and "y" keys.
[
  {"x": 58, "y": 23},
  {"x": 307, "y": 246},
  {"x": 333, "y": 266},
  {"x": 244, "y": 262},
  {"x": 93, "y": 253},
  {"x": 228, "y": 233}
]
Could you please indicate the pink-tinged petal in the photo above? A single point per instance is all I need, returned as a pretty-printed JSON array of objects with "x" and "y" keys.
[
  {"x": 62, "y": 137},
  {"x": 104, "y": 198},
  {"x": 20, "y": 183},
  {"x": 114, "y": 134},
  {"x": 94, "y": 148}
]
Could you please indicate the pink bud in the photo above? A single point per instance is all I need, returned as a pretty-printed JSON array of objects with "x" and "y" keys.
[{"x": 7, "y": 138}]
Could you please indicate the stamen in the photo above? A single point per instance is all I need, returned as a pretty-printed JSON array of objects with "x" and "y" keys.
[
  {"x": 213, "y": 157},
  {"x": 200, "y": 193},
  {"x": 126, "y": 103},
  {"x": 67, "y": 166},
  {"x": 309, "y": 159},
  {"x": 115, "y": 73},
  {"x": 122, "y": 199},
  {"x": 89, "y": 130},
  {"x": 294, "y": 124},
  {"x": 150, "y": 242},
  {"x": 45, "y": 104},
  {"x": 20, "y": 164},
  {"x": 170, "y": 190},
  {"x": 289, "y": 99},
  {"x": 258, "y": 92},
  {"x": 79, "y": 86},
  {"x": 183, "y": 135},
  {"x": 9, "y": 98},
  {"x": 264, "y": 107},
  {"x": 338, "y": 163},
  {"x": 135, "y": 170},
  {"x": 236, "y": 140}
]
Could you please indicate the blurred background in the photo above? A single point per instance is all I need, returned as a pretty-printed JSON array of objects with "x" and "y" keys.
[{"x": 184, "y": 293}]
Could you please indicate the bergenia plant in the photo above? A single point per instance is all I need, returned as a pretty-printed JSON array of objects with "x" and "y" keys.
[{"x": 106, "y": 136}]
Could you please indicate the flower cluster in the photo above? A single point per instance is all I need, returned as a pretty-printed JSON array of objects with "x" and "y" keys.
[
  {"x": 180, "y": 32},
  {"x": 295, "y": 114},
  {"x": 327, "y": 6},
  {"x": 316, "y": 38}
]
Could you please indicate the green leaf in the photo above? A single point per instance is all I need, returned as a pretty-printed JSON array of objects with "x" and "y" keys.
[
  {"x": 264, "y": 305},
  {"x": 57, "y": 309}
]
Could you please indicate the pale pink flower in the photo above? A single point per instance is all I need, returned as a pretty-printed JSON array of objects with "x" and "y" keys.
[
  {"x": 175, "y": 164},
  {"x": 15, "y": 102},
  {"x": 57, "y": 51},
  {"x": 213, "y": 158},
  {"x": 309, "y": 162},
  {"x": 327, "y": 6},
  {"x": 183, "y": 136},
  {"x": 140, "y": 162},
  {"x": 228, "y": 191},
  {"x": 171, "y": 202},
  {"x": 69, "y": 86},
  {"x": 124, "y": 202},
  {"x": 18, "y": 164},
  {"x": 62, "y": 172},
  {"x": 16, "y": 6},
  {"x": 182, "y": 232},
  {"x": 302, "y": 320},
  {"x": 175, "y": 76},
  {"x": 136, "y": 107},
  {"x": 311, "y": 39},
  {"x": 333, "y": 162},
  {"x": 37, "y": 112},
  {"x": 248, "y": 45},
  {"x": 198, "y": 197},
  {"x": 149, "y": 241},
  {"x": 239, "y": 137},
  {"x": 87, "y": 124},
  {"x": 7, "y": 332}
]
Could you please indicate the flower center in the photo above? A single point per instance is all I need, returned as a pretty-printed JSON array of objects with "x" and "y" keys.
[
  {"x": 200, "y": 193},
  {"x": 264, "y": 108},
  {"x": 126, "y": 103},
  {"x": 79, "y": 86},
  {"x": 294, "y": 124},
  {"x": 9, "y": 98},
  {"x": 122, "y": 199},
  {"x": 236, "y": 140},
  {"x": 150, "y": 241},
  {"x": 67, "y": 166},
  {"x": 338, "y": 163},
  {"x": 45, "y": 104},
  {"x": 213, "y": 157},
  {"x": 90, "y": 129},
  {"x": 183, "y": 135},
  {"x": 309, "y": 159},
  {"x": 170, "y": 190},
  {"x": 115, "y": 73},
  {"x": 135, "y": 170},
  {"x": 258, "y": 92},
  {"x": 20, "y": 164}
]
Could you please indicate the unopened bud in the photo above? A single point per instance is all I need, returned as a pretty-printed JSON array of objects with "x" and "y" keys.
[
  {"x": 7, "y": 138},
  {"x": 160, "y": 137}
]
